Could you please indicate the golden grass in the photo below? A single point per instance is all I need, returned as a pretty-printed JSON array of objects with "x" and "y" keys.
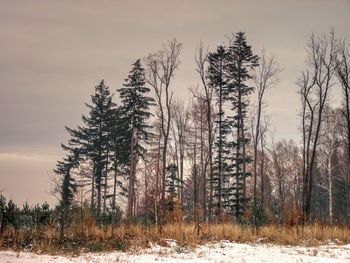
[
  {"x": 93, "y": 238},
  {"x": 311, "y": 235}
]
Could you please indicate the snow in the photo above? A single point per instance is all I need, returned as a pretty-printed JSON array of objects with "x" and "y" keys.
[{"x": 223, "y": 251}]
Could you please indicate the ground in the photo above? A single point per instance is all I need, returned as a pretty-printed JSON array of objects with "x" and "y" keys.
[{"x": 223, "y": 251}]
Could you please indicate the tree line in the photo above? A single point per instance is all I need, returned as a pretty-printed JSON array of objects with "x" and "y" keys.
[
  {"x": 212, "y": 158},
  {"x": 209, "y": 159}
]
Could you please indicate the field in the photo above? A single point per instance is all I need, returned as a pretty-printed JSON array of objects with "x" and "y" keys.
[
  {"x": 80, "y": 240},
  {"x": 223, "y": 251}
]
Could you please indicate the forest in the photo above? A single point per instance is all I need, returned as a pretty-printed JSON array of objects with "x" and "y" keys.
[{"x": 145, "y": 162}]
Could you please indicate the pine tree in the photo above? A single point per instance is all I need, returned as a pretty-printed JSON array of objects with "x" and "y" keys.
[
  {"x": 97, "y": 132},
  {"x": 135, "y": 110},
  {"x": 216, "y": 74},
  {"x": 120, "y": 141},
  {"x": 67, "y": 189},
  {"x": 173, "y": 182},
  {"x": 92, "y": 141},
  {"x": 240, "y": 63}
]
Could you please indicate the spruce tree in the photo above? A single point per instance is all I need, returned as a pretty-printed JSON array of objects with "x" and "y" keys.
[
  {"x": 135, "y": 110},
  {"x": 92, "y": 141},
  {"x": 173, "y": 182},
  {"x": 120, "y": 142},
  {"x": 240, "y": 63},
  {"x": 216, "y": 75},
  {"x": 67, "y": 189}
]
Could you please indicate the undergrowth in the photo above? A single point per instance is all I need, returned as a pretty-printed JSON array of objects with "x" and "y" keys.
[{"x": 80, "y": 239}]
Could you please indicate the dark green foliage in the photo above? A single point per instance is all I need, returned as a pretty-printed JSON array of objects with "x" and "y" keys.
[
  {"x": 216, "y": 71},
  {"x": 228, "y": 72},
  {"x": 173, "y": 183},
  {"x": 10, "y": 215},
  {"x": 135, "y": 106},
  {"x": 120, "y": 143},
  {"x": 260, "y": 215},
  {"x": 27, "y": 218},
  {"x": 97, "y": 139},
  {"x": 216, "y": 75},
  {"x": 2, "y": 213},
  {"x": 97, "y": 131},
  {"x": 240, "y": 63},
  {"x": 41, "y": 215},
  {"x": 68, "y": 186},
  {"x": 135, "y": 111}
]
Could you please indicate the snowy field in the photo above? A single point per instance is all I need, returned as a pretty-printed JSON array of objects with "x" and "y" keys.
[{"x": 223, "y": 251}]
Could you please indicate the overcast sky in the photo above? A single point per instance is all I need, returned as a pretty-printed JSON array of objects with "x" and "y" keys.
[{"x": 53, "y": 53}]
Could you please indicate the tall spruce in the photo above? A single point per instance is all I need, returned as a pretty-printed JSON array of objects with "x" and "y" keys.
[
  {"x": 240, "y": 63},
  {"x": 135, "y": 110},
  {"x": 120, "y": 158},
  {"x": 120, "y": 155},
  {"x": 92, "y": 141},
  {"x": 216, "y": 75},
  {"x": 97, "y": 133}
]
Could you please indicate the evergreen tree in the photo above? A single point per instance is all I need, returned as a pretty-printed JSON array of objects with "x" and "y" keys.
[
  {"x": 216, "y": 75},
  {"x": 172, "y": 180},
  {"x": 93, "y": 140},
  {"x": 67, "y": 188},
  {"x": 135, "y": 110},
  {"x": 120, "y": 141},
  {"x": 240, "y": 63}
]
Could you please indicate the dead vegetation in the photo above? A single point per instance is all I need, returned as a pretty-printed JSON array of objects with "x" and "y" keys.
[{"x": 91, "y": 238}]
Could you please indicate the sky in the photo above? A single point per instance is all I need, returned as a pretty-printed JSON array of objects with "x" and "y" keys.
[{"x": 53, "y": 53}]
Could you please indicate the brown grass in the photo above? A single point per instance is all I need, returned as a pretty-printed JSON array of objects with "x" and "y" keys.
[{"x": 91, "y": 238}]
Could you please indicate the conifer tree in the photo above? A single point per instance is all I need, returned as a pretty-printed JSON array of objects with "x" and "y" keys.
[
  {"x": 173, "y": 182},
  {"x": 135, "y": 110},
  {"x": 240, "y": 63},
  {"x": 67, "y": 189},
  {"x": 216, "y": 76},
  {"x": 92, "y": 141},
  {"x": 97, "y": 133},
  {"x": 120, "y": 155}
]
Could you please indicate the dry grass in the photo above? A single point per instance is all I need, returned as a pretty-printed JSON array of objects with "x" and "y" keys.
[
  {"x": 311, "y": 235},
  {"x": 92, "y": 238}
]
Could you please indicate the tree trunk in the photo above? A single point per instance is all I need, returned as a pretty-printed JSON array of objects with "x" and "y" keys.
[
  {"x": 203, "y": 173},
  {"x": 114, "y": 194},
  {"x": 330, "y": 190},
  {"x": 131, "y": 177},
  {"x": 105, "y": 185},
  {"x": 92, "y": 203}
]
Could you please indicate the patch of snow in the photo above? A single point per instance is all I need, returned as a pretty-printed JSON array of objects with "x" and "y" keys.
[{"x": 220, "y": 252}]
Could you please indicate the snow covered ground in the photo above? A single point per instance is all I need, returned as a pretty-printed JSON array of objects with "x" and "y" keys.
[{"x": 223, "y": 251}]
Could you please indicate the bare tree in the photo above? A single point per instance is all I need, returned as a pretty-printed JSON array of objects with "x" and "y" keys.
[
  {"x": 201, "y": 61},
  {"x": 161, "y": 67},
  {"x": 153, "y": 160},
  {"x": 285, "y": 158},
  {"x": 179, "y": 131},
  {"x": 329, "y": 146},
  {"x": 343, "y": 74},
  {"x": 315, "y": 85},
  {"x": 265, "y": 76}
]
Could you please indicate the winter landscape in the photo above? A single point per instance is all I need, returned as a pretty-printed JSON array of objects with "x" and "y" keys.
[
  {"x": 175, "y": 131},
  {"x": 223, "y": 251}
]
